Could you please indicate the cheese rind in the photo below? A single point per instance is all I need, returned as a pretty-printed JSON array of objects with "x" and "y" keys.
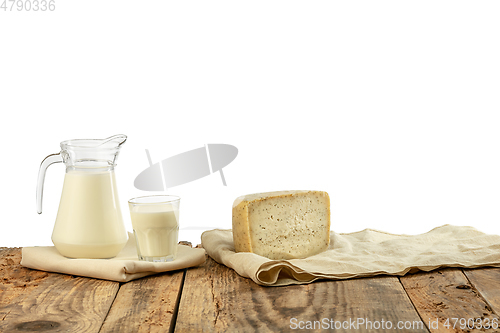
[{"x": 283, "y": 224}]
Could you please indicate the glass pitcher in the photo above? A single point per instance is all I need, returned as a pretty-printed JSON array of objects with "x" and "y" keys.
[{"x": 89, "y": 221}]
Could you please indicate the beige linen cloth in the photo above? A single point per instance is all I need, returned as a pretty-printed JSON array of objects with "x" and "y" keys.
[
  {"x": 122, "y": 268},
  {"x": 361, "y": 254}
]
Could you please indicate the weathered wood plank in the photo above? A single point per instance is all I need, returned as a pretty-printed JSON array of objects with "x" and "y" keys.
[
  {"x": 487, "y": 282},
  {"x": 49, "y": 301},
  {"x": 440, "y": 296},
  {"x": 145, "y": 305},
  {"x": 15, "y": 281},
  {"x": 216, "y": 299}
]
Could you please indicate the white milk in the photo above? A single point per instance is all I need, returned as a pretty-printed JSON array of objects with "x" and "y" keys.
[
  {"x": 156, "y": 229},
  {"x": 89, "y": 221}
]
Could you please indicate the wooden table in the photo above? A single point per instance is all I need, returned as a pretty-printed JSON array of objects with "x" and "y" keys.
[{"x": 213, "y": 298}]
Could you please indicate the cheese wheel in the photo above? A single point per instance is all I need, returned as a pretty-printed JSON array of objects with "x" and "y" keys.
[{"x": 283, "y": 224}]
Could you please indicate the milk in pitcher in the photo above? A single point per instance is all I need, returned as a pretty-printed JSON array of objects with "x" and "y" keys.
[{"x": 89, "y": 221}]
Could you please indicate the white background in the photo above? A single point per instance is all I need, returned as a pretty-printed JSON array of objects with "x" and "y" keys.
[{"x": 392, "y": 107}]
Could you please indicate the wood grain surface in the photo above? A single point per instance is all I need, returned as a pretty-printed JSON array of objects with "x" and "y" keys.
[
  {"x": 216, "y": 299},
  {"x": 16, "y": 282},
  {"x": 446, "y": 296},
  {"x": 53, "y": 302},
  {"x": 487, "y": 282},
  {"x": 213, "y": 298},
  {"x": 145, "y": 305}
]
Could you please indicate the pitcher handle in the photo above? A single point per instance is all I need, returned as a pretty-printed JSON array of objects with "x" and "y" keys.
[{"x": 51, "y": 159}]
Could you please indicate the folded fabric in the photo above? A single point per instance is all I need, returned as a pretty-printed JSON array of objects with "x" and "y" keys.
[
  {"x": 361, "y": 254},
  {"x": 122, "y": 268}
]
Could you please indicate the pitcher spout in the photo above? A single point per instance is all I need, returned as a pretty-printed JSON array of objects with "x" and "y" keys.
[
  {"x": 114, "y": 141},
  {"x": 92, "y": 153}
]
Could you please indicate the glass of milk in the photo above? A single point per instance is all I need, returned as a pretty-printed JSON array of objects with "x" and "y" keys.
[{"x": 155, "y": 220}]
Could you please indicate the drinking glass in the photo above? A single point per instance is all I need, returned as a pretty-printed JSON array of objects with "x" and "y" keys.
[{"x": 155, "y": 220}]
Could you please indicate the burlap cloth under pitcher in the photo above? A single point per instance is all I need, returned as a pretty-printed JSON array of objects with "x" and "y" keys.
[
  {"x": 122, "y": 268},
  {"x": 360, "y": 254}
]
